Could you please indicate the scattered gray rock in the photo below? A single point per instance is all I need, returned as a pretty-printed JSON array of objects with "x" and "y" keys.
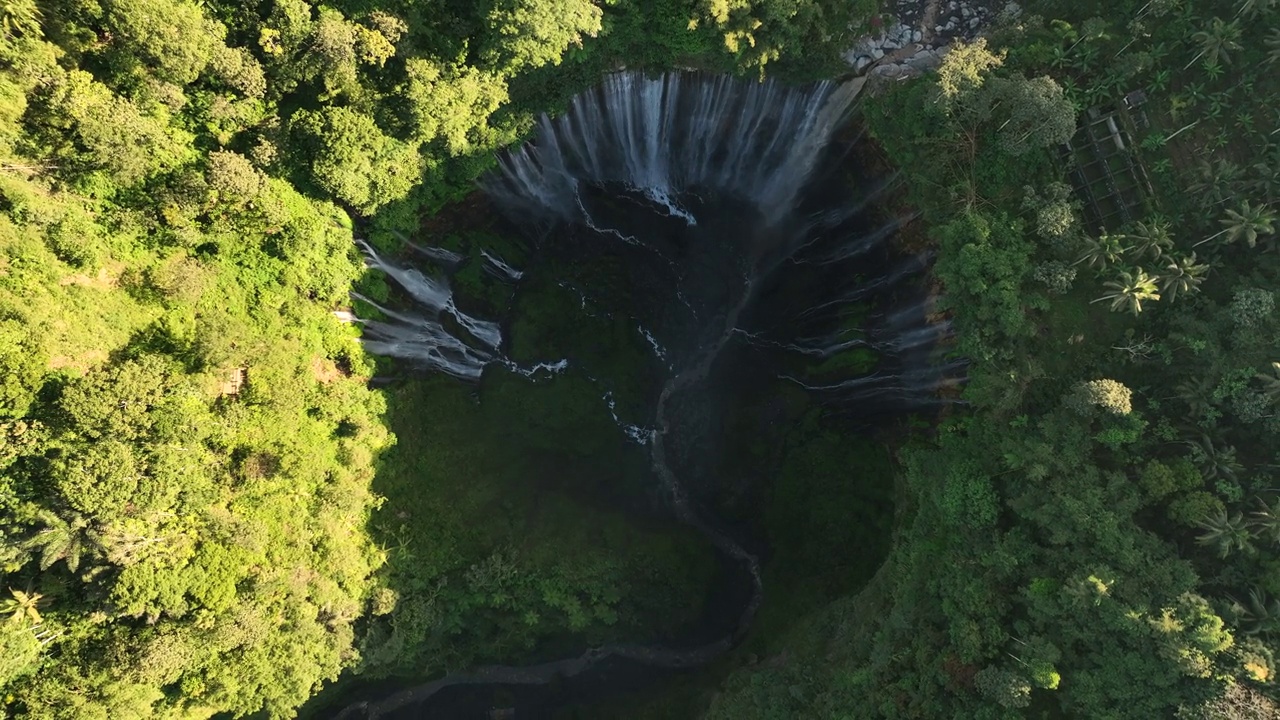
[{"x": 957, "y": 19}]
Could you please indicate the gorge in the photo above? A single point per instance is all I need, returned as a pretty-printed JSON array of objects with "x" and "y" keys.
[{"x": 732, "y": 223}]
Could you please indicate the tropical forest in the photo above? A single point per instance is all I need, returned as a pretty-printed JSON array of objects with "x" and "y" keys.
[{"x": 640, "y": 359}]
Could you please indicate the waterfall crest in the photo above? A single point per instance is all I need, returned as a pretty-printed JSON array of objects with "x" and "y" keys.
[{"x": 666, "y": 135}]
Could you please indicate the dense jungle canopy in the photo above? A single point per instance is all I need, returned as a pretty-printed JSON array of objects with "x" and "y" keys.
[{"x": 208, "y": 510}]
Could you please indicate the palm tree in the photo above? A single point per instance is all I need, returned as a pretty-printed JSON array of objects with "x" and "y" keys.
[
  {"x": 1267, "y": 520},
  {"x": 1271, "y": 383},
  {"x": 1197, "y": 393},
  {"x": 1214, "y": 461},
  {"x": 1217, "y": 42},
  {"x": 22, "y": 606},
  {"x": 1183, "y": 275},
  {"x": 20, "y": 17},
  {"x": 1226, "y": 533},
  {"x": 1151, "y": 239},
  {"x": 60, "y": 539},
  {"x": 1253, "y": 8},
  {"x": 1128, "y": 291},
  {"x": 1248, "y": 223},
  {"x": 1273, "y": 46},
  {"x": 1266, "y": 180},
  {"x": 1216, "y": 181},
  {"x": 1102, "y": 251},
  {"x": 1258, "y": 615}
]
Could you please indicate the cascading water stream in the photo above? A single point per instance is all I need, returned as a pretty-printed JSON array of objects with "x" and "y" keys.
[{"x": 722, "y": 165}]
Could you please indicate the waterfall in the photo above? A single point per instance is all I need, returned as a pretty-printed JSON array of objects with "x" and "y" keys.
[
  {"x": 666, "y": 135},
  {"x": 499, "y": 266},
  {"x": 719, "y": 171}
]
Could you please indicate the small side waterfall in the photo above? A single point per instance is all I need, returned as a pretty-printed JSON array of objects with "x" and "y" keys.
[{"x": 703, "y": 189}]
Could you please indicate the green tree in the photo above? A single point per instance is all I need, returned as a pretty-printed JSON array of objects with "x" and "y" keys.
[
  {"x": 526, "y": 34},
  {"x": 1250, "y": 307},
  {"x": 451, "y": 104},
  {"x": 353, "y": 160},
  {"x": 1005, "y": 687},
  {"x": 1216, "y": 182},
  {"x": 338, "y": 48},
  {"x": 1188, "y": 510},
  {"x": 102, "y": 131},
  {"x": 758, "y": 32},
  {"x": 233, "y": 178},
  {"x": 19, "y": 653},
  {"x": 100, "y": 480},
  {"x": 172, "y": 38},
  {"x": 118, "y": 403},
  {"x": 22, "y": 364},
  {"x": 1037, "y": 113}
]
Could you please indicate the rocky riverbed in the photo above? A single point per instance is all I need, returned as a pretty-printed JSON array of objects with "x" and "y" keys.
[{"x": 918, "y": 36}]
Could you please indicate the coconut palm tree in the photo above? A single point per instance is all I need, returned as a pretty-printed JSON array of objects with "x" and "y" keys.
[
  {"x": 1217, "y": 42},
  {"x": 1266, "y": 520},
  {"x": 1129, "y": 289},
  {"x": 22, "y": 606},
  {"x": 1249, "y": 222},
  {"x": 1151, "y": 239},
  {"x": 1226, "y": 533},
  {"x": 1103, "y": 251},
  {"x": 1183, "y": 275},
  {"x": 1216, "y": 181}
]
